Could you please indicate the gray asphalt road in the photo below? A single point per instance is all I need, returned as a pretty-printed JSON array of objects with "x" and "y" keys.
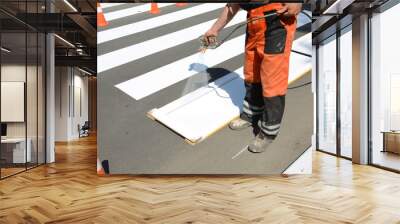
[{"x": 135, "y": 144}]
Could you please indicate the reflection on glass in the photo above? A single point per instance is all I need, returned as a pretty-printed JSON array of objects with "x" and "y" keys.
[
  {"x": 15, "y": 151},
  {"x": 327, "y": 95},
  {"x": 346, "y": 92}
]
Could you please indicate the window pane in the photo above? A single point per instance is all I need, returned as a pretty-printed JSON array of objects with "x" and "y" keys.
[
  {"x": 14, "y": 153},
  {"x": 386, "y": 89},
  {"x": 327, "y": 95},
  {"x": 346, "y": 92}
]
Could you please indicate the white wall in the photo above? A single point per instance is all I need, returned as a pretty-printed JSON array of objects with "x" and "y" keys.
[
  {"x": 70, "y": 83},
  {"x": 16, "y": 73}
]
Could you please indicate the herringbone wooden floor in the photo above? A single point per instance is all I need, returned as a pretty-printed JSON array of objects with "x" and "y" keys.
[{"x": 69, "y": 191}]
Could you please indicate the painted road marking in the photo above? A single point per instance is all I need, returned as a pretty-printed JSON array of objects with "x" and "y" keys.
[
  {"x": 108, "y": 5},
  {"x": 125, "y": 55},
  {"x": 129, "y": 29},
  {"x": 240, "y": 152},
  {"x": 132, "y": 11},
  {"x": 155, "y": 80}
]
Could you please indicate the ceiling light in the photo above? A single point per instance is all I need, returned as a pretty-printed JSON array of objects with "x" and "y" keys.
[
  {"x": 5, "y": 50},
  {"x": 64, "y": 40},
  {"x": 70, "y": 5}
]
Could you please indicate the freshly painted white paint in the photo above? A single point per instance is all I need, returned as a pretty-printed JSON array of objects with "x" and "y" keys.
[
  {"x": 132, "y": 11},
  {"x": 155, "y": 80},
  {"x": 132, "y": 28},
  {"x": 140, "y": 50},
  {"x": 190, "y": 115}
]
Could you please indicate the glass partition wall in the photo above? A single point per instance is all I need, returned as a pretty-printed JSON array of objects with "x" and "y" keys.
[
  {"x": 327, "y": 95},
  {"x": 334, "y": 94},
  {"x": 22, "y": 98}
]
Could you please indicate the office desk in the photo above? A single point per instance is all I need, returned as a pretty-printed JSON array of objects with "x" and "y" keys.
[
  {"x": 391, "y": 141},
  {"x": 13, "y": 150}
]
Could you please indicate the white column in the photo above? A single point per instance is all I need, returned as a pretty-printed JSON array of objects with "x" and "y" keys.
[
  {"x": 360, "y": 90},
  {"x": 50, "y": 99},
  {"x": 50, "y": 92}
]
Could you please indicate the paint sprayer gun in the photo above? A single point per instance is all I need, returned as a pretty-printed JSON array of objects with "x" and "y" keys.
[{"x": 210, "y": 43}]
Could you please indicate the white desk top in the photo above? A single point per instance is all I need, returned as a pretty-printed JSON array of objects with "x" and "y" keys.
[{"x": 13, "y": 140}]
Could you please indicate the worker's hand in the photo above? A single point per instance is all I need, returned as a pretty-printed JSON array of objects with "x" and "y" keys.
[
  {"x": 290, "y": 9},
  {"x": 210, "y": 37}
]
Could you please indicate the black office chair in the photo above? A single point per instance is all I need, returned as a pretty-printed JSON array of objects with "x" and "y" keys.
[{"x": 84, "y": 130}]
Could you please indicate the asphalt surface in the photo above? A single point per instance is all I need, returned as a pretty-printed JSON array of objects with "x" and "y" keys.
[{"x": 134, "y": 144}]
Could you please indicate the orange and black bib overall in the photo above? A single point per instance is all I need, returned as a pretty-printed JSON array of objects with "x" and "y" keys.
[{"x": 266, "y": 68}]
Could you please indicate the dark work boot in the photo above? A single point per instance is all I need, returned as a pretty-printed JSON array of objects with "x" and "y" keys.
[
  {"x": 239, "y": 124},
  {"x": 260, "y": 143}
]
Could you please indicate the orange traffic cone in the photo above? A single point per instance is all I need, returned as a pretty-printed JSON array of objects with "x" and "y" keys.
[
  {"x": 181, "y": 4},
  {"x": 100, "y": 169},
  {"x": 154, "y": 8},
  {"x": 101, "y": 20}
]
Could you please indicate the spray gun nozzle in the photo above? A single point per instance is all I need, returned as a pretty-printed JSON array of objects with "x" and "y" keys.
[{"x": 208, "y": 42}]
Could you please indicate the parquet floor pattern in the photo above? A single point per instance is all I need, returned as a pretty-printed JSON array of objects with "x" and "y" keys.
[{"x": 69, "y": 191}]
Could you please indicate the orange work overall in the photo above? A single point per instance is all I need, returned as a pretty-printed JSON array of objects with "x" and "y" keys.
[{"x": 266, "y": 68}]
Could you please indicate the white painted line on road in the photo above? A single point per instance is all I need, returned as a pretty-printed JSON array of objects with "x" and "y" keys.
[
  {"x": 206, "y": 110},
  {"x": 212, "y": 106},
  {"x": 108, "y": 5},
  {"x": 132, "y": 11},
  {"x": 167, "y": 75},
  {"x": 134, "y": 52},
  {"x": 240, "y": 152},
  {"x": 136, "y": 27}
]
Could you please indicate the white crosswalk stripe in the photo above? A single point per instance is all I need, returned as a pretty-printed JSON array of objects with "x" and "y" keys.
[
  {"x": 156, "y": 80},
  {"x": 140, "y": 26},
  {"x": 151, "y": 82},
  {"x": 134, "y": 52},
  {"x": 109, "y": 5},
  {"x": 132, "y": 11}
]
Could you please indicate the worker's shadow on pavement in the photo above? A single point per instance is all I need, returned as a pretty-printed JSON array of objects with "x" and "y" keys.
[{"x": 207, "y": 75}]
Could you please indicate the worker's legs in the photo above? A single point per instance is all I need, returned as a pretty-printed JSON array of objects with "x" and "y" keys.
[
  {"x": 274, "y": 71},
  {"x": 274, "y": 50},
  {"x": 253, "y": 105}
]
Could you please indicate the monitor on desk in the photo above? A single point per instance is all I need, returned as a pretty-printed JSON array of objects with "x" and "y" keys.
[{"x": 3, "y": 130}]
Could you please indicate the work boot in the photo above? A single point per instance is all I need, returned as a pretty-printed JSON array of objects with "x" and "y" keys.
[
  {"x": 239, "y": 124},
  {"x": 260, "y": 143}
]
